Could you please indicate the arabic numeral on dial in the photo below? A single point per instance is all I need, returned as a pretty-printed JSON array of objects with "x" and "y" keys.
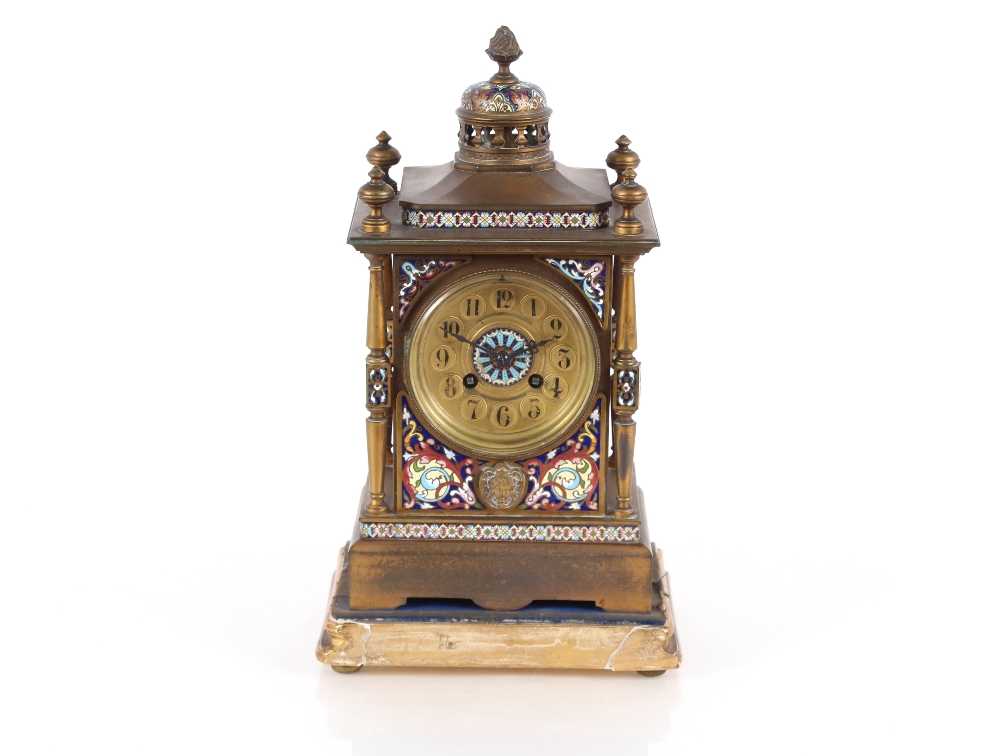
[
  {"x": 502, "y": 417},
  {"x": 442, "y": 358},
  {"x": 451, "y": 327},
  {"x": 503, "y": 299},
  {"x": 532, "y": 307},
  {"x": 555, "y": 387},
  {"x": 564, "y": 358},
  {"x": 472, "y": 307},
  {"x": 532, "y": 407},
  {"x": 474, "y": 409},
  {"x": 555, "y": 326},
  {"x": 451, "y": 387}
]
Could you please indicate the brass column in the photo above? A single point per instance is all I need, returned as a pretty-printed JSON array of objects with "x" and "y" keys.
[
  {"x": 377, "y": 381},
  {"x": 626, "y": 382}
]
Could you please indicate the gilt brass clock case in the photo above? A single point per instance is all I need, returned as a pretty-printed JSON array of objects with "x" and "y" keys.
[
  {"x": 495, "y": 411},
  {"x": 524, "y": 503}
]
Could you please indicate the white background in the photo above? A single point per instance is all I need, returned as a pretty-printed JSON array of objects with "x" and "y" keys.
[{"x": 182, "y": 339}]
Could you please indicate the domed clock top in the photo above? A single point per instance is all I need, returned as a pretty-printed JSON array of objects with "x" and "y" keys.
[
  {"x": 487, "y": 97},
  {"x": 503, "y": 92}
]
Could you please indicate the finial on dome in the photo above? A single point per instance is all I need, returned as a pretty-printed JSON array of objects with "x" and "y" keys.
[{"x": 503, "y": 51}]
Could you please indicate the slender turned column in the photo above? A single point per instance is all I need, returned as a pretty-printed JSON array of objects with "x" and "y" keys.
[
  {"x": 626, "y": 378},
  {"x": 377, "y": 381},
  {"x": 389, "y": 294}
]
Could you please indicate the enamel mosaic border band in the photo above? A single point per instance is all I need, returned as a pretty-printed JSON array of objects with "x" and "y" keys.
[
  {"x": 502, "y": 219},
  {"x": 442, "y": 531}
]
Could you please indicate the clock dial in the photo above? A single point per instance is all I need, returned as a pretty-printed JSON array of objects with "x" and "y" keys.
[{"x": 501, "y": 364}]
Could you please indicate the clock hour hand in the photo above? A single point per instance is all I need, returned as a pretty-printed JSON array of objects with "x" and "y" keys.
[
  {"x": 452, "y": 334},
  {"x": 475, "y": 347},
  {"x": 533, "y": 346}
]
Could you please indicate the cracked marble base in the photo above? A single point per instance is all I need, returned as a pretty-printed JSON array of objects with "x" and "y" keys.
[{"x": 507, "y": 644}]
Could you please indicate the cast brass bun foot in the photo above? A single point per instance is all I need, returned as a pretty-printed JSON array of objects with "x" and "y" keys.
[
  {"x": 345, "y": 669},
  {"x": 651, "y": 672}
]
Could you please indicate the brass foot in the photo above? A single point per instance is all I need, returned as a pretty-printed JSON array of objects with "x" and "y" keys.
[
  {"x": 345, "y": 669},
  {"x": 644, "y": 672}
]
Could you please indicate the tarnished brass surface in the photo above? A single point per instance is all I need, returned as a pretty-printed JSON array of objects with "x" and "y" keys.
[
  {"x": 622, "y": 158},
  {"x": 376, "y": 193},
  {"x": 442, "y": 187},
  {"x": 626, "y": 341},
  {"x": 502, "y": 575},
  {"x": 377, "y": 427},
  {"x": 503, "y": 51},
  {"x": 628, "y": 194},
  {"x": 384, "y": 574},
  {"x": 502, "y": 421},
  {"x": 384, "y": 155}
]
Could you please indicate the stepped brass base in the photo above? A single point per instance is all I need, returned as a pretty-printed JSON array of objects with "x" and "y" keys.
[
  {"x": 504, "y": 575},
  {"x": 500, "y": 576},
  {"x": 547, "y": 637}
]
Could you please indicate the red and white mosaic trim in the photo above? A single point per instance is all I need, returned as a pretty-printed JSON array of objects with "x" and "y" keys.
[{"x": 447, "y": 531}]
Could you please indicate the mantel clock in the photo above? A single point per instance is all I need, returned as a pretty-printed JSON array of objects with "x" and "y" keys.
[{"x": 501, "y": 385}]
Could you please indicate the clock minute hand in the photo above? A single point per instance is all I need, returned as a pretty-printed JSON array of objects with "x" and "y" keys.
[{"x": 537, "y": 344}]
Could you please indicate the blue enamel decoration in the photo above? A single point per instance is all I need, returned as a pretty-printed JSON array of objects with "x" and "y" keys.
[
  {"x": 589, "y": 275},
  {"x": 502, "y": 356}
]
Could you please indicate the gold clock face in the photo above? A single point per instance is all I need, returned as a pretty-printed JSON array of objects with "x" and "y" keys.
[{"x": 502, "y": 364}]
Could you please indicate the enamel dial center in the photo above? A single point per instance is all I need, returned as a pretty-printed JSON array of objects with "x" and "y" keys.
[{"x": 501, "y": 356}]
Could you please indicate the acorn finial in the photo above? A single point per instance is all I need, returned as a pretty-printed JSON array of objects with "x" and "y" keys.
[
  {"x": 503, "y": 51},
  {"x": 622, "y": 158},
  {"x": 375, "y": 194},
  {"x": 384, "y": 156},
  {"x": 628, "y": 194}
]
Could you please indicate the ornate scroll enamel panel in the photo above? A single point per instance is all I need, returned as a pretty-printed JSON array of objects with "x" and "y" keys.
[
  {"x": 436, "y": 477},
  {"x": 590, "y": 276},
  {"x": 414, "y": 275},
  {"x": 487, "y": 97}
]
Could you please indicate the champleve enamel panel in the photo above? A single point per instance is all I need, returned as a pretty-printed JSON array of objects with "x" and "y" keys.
[{"x": 436, "y": 477}]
